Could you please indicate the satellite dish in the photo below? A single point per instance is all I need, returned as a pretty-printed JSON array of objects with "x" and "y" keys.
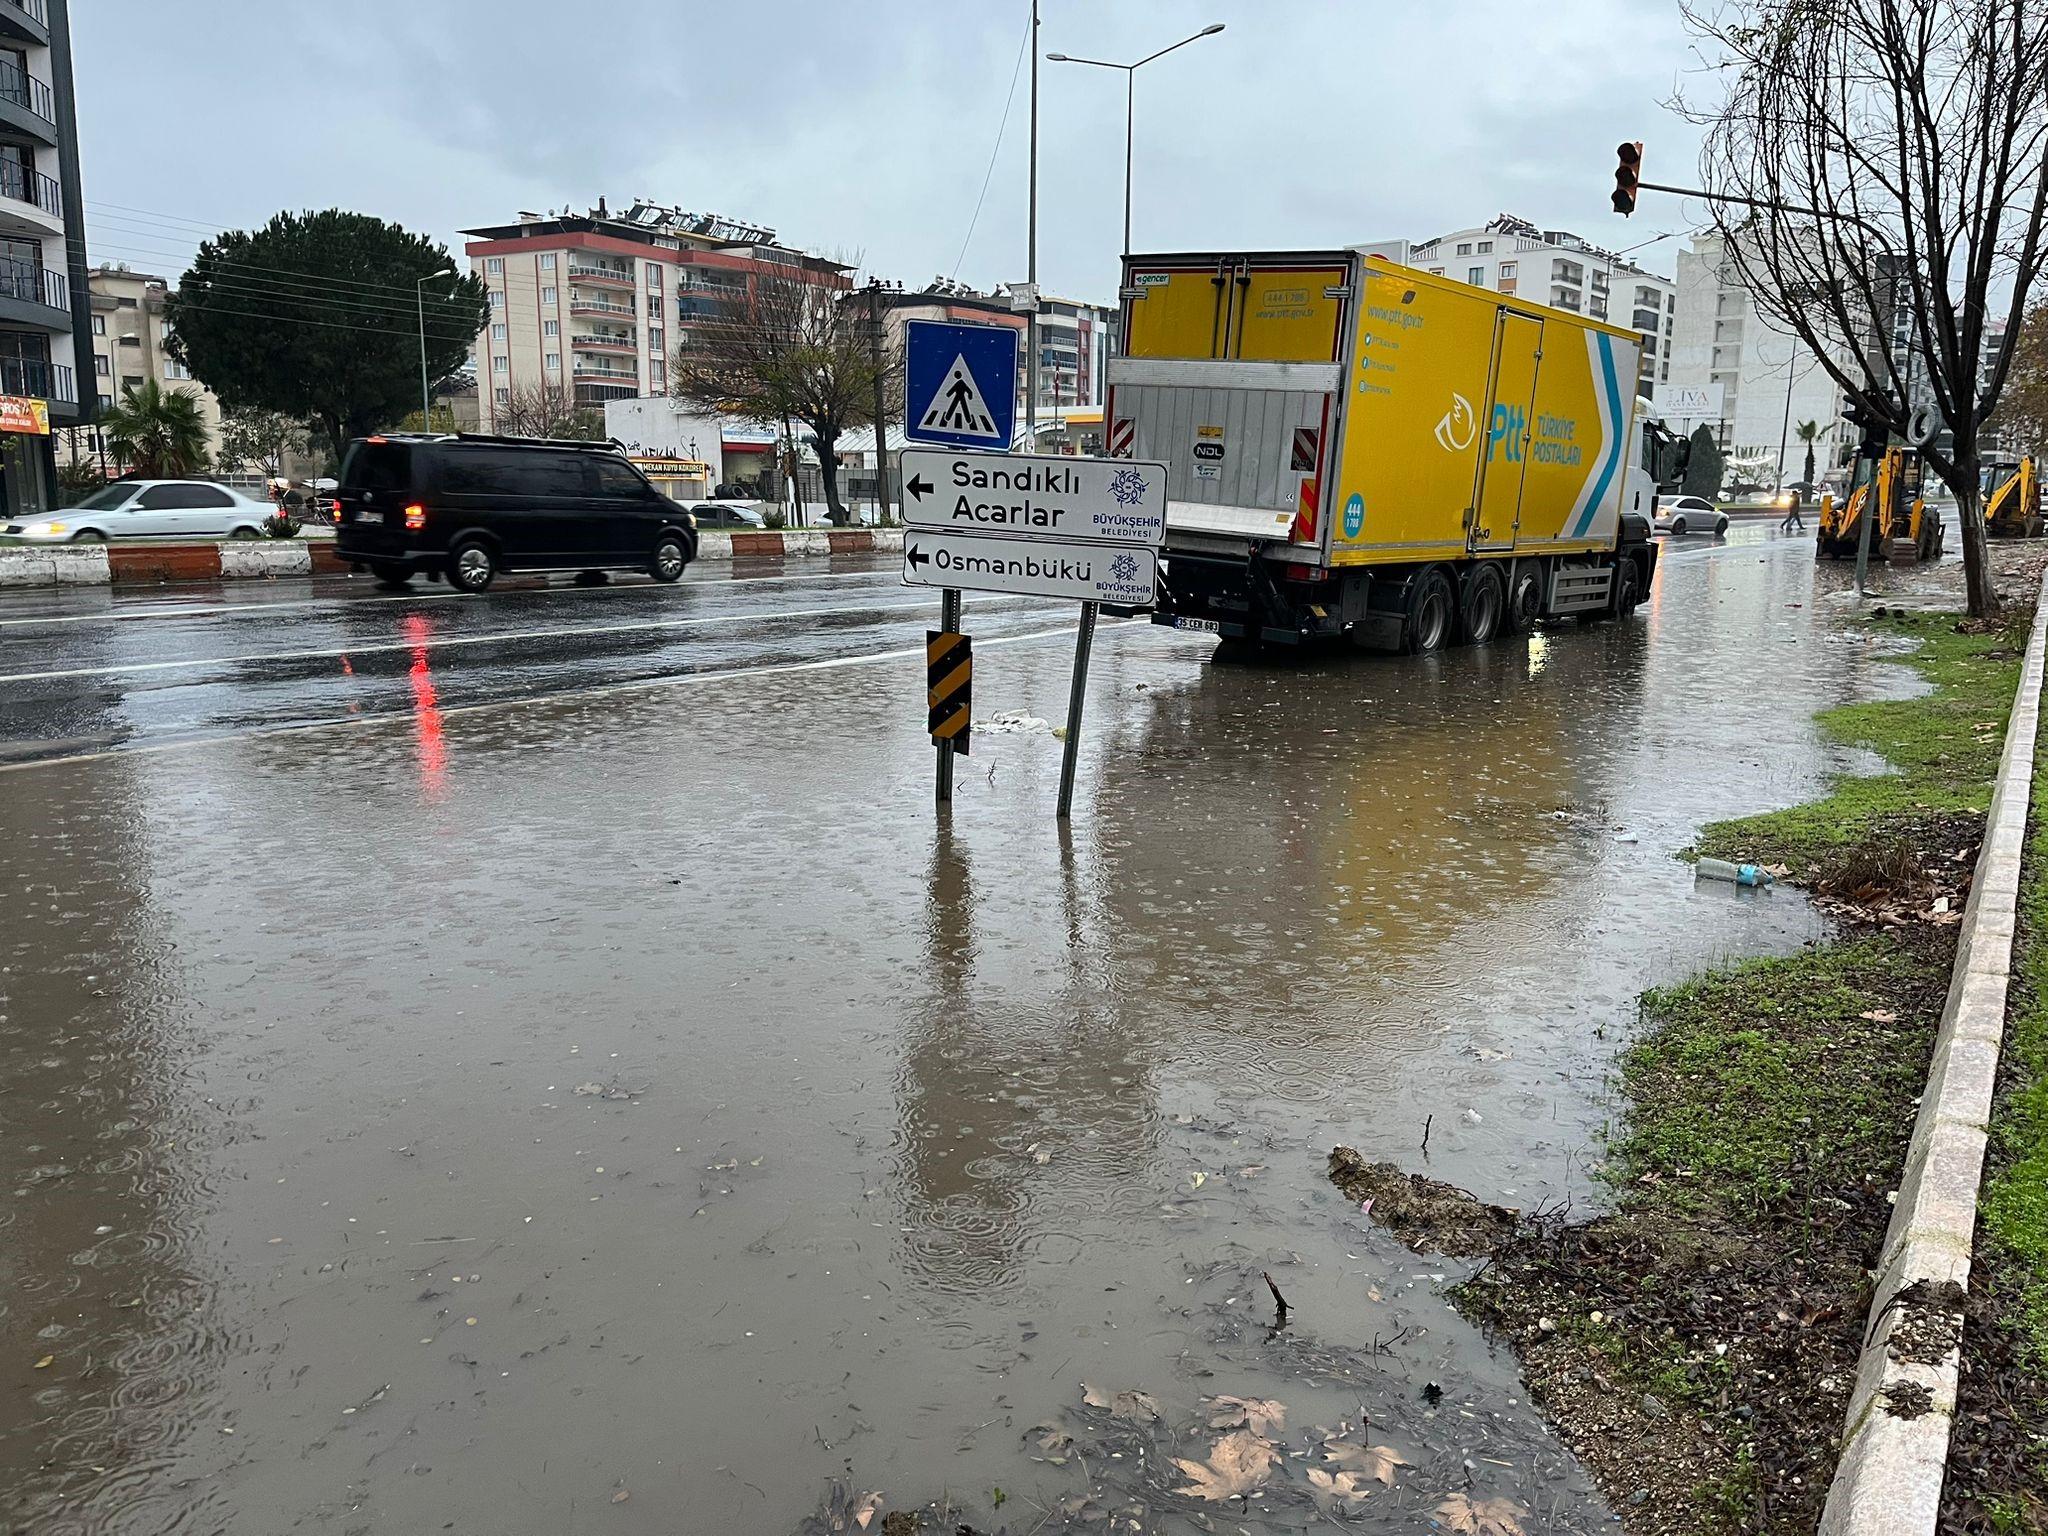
[{"x": 1924, "y": 426}]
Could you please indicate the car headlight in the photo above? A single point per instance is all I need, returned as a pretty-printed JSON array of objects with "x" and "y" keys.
[
  {"x": 44, "y": 529},
  {"x": 691, "y": 519}
]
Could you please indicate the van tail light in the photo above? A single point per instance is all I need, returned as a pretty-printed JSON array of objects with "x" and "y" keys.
[
  {"x": 415, "y": 517},
  {"x": 1294, "y": 570}
]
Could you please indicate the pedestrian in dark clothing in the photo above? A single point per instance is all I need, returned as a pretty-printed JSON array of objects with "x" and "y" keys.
[{"x": 1793, "y": 523}]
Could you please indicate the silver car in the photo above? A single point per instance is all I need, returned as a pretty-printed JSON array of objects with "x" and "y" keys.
[{"x": 156, "y": 509}]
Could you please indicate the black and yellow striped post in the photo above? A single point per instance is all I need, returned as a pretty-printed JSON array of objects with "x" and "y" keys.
[{"x": 949, "y": 688}]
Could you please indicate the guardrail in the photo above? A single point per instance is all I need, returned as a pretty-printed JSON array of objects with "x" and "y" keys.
[
  {"x": 25, "y": 90},
  {"x": 601, "y": 274},
  {"x": 28, "y": 376},
  {"x": 35, "y": 10},
  {"x": 26, "y": 186},
  {"x": 37, "y": 285}
]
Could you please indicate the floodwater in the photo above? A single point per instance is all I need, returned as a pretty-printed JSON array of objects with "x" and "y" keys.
[{"x": 457, "y": 1123}]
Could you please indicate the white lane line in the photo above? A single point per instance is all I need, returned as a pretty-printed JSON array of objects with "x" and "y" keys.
[
  {"x": 437, "y": 643},
  {"x": 135, "y": 611},
  {"x": 598, "y": 690}
]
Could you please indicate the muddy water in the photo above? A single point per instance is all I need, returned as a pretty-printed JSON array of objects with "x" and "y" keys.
[{"x": 458, "y": 1123}]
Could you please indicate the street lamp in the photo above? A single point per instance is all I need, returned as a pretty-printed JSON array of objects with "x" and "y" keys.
[
  {"x": 1130, "y": 89},
  {"x": 419, "y": 290}
]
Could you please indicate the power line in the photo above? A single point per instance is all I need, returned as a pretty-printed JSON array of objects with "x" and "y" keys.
[
  {"x": 126, "y": 249},
  {"x": 1015, "y": 69}
]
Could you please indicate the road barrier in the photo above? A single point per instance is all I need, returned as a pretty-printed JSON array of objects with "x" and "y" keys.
[
  {"x": 64, "y": 565},
  {"x": 1895, "y": 1444}
]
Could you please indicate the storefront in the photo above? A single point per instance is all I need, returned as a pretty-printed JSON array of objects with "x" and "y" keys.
[
  {"x": 26, "y": 467},
  {"x": 677, "y": 479}
]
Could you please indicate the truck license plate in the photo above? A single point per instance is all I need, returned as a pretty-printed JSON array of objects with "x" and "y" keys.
[{"x": 1201, "y": 626}]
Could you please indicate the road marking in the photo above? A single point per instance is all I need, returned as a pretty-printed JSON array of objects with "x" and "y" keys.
[
  {"x": 129, "y": 668},
  {"x": 237, "y": 610},
  {"x": 598, "y": 690}
]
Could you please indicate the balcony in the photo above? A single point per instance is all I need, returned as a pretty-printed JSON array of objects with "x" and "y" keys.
[
  {"x": 32, "y": 376},
  {"x": 34, "y": 285},
  {"x": 25, "y": 90},
  {"x": 579, "y": 305},
  {"x": 26, "y": 19},
  {"x": 26, "y": 186},
  {"x": 589, "y": 393},
  {"x": 600, "y": 374},
  {"x": 623, "y": 276},
  {"x": 605, "y": 343}
]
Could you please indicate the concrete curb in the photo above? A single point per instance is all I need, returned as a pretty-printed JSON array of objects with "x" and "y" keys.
[
  {"x": 63, "y": 565},
  {"x": 1888, "y": 1481}
]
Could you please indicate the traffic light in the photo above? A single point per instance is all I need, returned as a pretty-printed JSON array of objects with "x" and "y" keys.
[{"x": 1627, "y": 176}]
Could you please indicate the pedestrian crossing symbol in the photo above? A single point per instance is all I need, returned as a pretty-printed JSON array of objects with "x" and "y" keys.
[
  {"x": 959, "y": 407},
  {"x": 960, "y": 384}
]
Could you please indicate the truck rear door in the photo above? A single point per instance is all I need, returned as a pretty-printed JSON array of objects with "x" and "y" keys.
[{"x": 1230, "y": 373}]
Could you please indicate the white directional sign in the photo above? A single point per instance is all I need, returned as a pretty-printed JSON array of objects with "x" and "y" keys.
[
  {"x": 1121, "y": 501},
  {"x": 1031, "y": 567}
]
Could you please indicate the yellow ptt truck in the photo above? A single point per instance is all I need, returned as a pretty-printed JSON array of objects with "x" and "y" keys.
[{"x": 1358, "y": 448}]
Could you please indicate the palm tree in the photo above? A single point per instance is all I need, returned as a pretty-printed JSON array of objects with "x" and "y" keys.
[
  {"x": 157, "y": 432},
  {"x": 1809, "y": 433}
]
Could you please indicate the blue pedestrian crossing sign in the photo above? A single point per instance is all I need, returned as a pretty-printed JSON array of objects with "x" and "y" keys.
[{"x": 960, "y": 384}]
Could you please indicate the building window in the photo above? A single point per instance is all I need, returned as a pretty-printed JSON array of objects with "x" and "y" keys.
[
  {"x": 1486, "y": 248},
  {"x": 498, "y": 331},
  {"x": 131, "y": 381},
  {"x": 502, "y": 396},
  {"x": 547, "y": 261},
  {"x": 654, "y": 274},
  {"x": 1476, "y": 276},
  {"x": 176, "y": 370},
  {"x": 124, "y": 303},
  {"x": 99, "y": 325},
  {"x": 551, "y": 328},
  {"x": 495, "y": 265},
  {"x": 102, "y": 366},
  {"x": 552, "y": 362},
  {"x": 497, "y": 298},
  {"x": 654, "y": 339},
  {"x": 654, "y": 306},
  {"x": 1436, "y": 271},
  {"x": 1465, "y": 249},
  {"x": 501, "y": 364},
  {"x": 105, "y": 401},
  {"x": 547, "y": 295},
  {"x": 657, "y": 375},
  {"x": 1507, "y": 271}
]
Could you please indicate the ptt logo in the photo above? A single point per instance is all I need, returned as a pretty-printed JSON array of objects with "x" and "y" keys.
[
  {"x": 1508, "y": 422},
  {"x": 1455, "y": 431}
]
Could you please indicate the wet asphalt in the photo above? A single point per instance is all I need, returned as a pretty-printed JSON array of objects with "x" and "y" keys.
[{"x": 462, "y": 1060}]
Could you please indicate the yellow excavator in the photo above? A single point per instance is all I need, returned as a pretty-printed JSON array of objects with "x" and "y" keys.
[
  {"x": 2012, "y": 500},
  {"x": 1906, "y": 528}
]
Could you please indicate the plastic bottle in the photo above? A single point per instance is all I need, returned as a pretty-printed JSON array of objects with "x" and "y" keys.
[{"x": 1739, "y": 874}]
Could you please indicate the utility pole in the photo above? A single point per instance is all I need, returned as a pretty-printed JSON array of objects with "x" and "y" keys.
[
  {"x": 881, "y": 400},
  {"x": 1031, "y": 262}
]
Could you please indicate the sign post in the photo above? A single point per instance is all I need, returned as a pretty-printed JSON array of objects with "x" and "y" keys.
[
  {"x": 960, "y": 386},
  {"x": 1077, "y": 695}
]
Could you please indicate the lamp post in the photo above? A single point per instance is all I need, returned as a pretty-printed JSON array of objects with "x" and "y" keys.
[
  {"x": 1130, "y": 92},
  {"x": 419, "y": 290}
]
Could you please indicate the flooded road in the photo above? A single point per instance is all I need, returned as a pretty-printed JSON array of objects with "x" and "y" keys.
[{"x": 519, "y": 1090}]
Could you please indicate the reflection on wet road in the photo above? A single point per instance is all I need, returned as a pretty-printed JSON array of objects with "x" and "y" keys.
[{"x": 518, "y": 1089}]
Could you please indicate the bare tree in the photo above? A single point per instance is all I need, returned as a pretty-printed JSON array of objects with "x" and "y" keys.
[
  {"x": 549, "y": 410},
  {"x": 787, "y": 349},
  {"x": 1913, "y": 134},
  {"x": 2023, "y": 408}
]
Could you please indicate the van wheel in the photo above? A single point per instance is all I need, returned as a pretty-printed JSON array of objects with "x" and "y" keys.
[
  {"x": 1627, "y": 588},
  {"x": 1525, "y": 599},
  {"x": 1479, "y": 615},
  {"x": 471, "y": 566},
  {"x": 392, "y": 576},
  {"x": 1432, "y": 607},
  {"x": 670, "y": 558}
]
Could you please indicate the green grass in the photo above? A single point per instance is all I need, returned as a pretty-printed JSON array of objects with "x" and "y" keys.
[
  {"x": 1943, "y": 747},
  {"x": 1752, "y": 1079}
]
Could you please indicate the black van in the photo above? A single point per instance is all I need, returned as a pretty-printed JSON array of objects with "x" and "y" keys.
[{"x": 469, "y": 506}]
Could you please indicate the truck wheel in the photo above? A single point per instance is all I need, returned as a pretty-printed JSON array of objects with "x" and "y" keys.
[
  {"x": 1628, "y": 588},
  {"x": 1525, "y": 599},
  {"x": 1479, "y": 615},
  {"x": 1432, "y": 607}
]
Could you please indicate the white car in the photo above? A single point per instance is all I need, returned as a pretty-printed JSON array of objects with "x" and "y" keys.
[
  {"x": 130, "y": 509},
  {"x": 1690, "y": 514}
]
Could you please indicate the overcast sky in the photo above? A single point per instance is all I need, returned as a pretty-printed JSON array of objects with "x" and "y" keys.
[{"x": 866, "y": 130}]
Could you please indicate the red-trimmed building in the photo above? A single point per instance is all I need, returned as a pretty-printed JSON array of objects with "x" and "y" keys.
[{"x": 599, "y": 302}]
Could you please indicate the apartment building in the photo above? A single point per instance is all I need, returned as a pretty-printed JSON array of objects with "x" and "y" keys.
[
  {"x": 1075, "y": 341},
  {"x": 43, "y": 312},
  {"x": 599, "y": 302},
  {"x": 129, "y": 337},
  {"x": 1561, "y": 269},
  {"x": 1769, "y": 382}
]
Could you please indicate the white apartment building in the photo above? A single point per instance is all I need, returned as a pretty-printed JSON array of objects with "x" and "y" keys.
[
  {"x": 598, "y": 303},
  {"x": 1769, "y": 382},
  {"x": 1075, "y": 340},
  {"x": 1558, "y": 268}
]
